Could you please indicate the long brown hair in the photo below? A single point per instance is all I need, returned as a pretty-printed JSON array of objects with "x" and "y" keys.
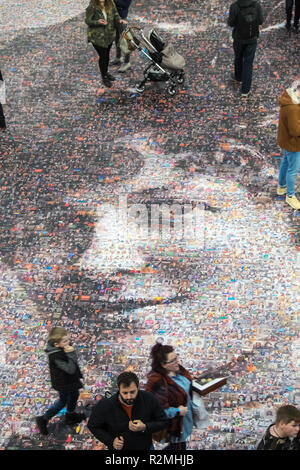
[
  {"x": 159, "y": 354},
  {"x": 107, "y": 4}
]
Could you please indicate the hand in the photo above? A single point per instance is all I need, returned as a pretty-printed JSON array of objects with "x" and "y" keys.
[
  {"x": 118, "y": 444},
  {"x": 137, "y": 425},
  {"x": 123, "y": 22},
  {"x": 183, "y": 410},
  {"x": 102, "y": 21},
  {"x": 68, "y": 349}
]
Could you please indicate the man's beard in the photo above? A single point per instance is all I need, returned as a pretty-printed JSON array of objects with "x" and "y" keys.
[{"x": 129, "y": 401}]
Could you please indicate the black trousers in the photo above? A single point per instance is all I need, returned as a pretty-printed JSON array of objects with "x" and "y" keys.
[
  {"x": 2, "y": 118},
  {"x": 289, "y": 11},
  {"x": 103, "y": 53}
]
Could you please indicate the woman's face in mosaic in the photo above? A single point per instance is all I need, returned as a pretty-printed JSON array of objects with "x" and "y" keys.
[{"x": 238, "y": 244}]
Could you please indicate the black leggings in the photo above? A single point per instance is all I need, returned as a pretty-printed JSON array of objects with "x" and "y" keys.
[
  {"x": 2, "y": 118},
  {"x": 103, "y": 53}
]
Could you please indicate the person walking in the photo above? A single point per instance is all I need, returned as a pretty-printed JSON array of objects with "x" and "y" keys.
[
  {"x": 65, "y": 378},
  {"x": 289, "y": 13},
  {"x": 245, "y": 17},
  {"x": 122, "y": 7},
  {"x": 288, "y": 139},
  {"x": 172, "y": 385},
  {"x": 127, "y": 420},
  {"x": 103, "y": 20}
]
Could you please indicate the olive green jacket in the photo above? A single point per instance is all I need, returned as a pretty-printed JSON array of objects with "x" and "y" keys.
[{"x": 99, "y": 34}]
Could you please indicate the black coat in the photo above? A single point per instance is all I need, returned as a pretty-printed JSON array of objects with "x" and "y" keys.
[
  {"x": 233, "y": 17},
  {"x": 123, "y": 7},
  {"x": 64, "y": 369},
  {"x": 109, "y": 420}
]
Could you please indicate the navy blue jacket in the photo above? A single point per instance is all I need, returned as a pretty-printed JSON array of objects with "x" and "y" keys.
[{"x": 123, "y": 7}]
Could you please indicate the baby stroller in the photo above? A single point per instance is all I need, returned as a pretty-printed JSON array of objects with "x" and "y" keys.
[{"x": 166, "y": 65}]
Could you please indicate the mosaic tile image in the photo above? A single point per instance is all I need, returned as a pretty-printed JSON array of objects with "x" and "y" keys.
[{"x": 75, "y": 153}]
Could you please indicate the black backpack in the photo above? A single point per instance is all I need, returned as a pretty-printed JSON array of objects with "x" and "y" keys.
[{"x": 247, "y": 22}]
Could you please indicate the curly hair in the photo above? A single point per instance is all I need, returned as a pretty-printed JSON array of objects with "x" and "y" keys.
[{"x": 158, "y": 355}]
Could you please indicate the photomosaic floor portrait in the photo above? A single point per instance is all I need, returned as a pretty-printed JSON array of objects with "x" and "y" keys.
[{"x": 85, "y": 171}]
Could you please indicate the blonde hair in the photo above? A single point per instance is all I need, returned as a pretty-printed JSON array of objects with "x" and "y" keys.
[{"x": 57, "y": 334}]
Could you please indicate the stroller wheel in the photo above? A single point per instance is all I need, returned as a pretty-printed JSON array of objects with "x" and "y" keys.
[
  {"x": 172, "y": 90},
  {"x": 180, "y": 78},
  {"x": 140, "y": 88}
]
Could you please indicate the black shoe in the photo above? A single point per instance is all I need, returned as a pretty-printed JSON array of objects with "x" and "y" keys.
[
  {"x": 41, "y": 423},
  {"x": 110, "y": 77},
  {"x": 74, "y": 418},
  {"x": 296, "y": 29},
  {"x": 106, "y": 82},
  {"x": 288, "y": 26}
]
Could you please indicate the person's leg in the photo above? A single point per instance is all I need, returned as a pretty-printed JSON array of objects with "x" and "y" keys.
[
  {"x": 293, "y": 159},
  {"x": 72, "y": 398},
  {"x": 238, "y": 60},
  {"x": 103, "y": 54},
  {"x": 288, "y": 10},
  {"x": 57, "y": 406},
  {"x": 2, "y": 118},
  {"x": 42, "y": 421},
  {"x": 297, "y": 14},
  {"x": 282, "y": 170},
  {"x": 248, "y": 58},
  {"x": 71, "y": 416},
  {"x": 107, "y": 57}
]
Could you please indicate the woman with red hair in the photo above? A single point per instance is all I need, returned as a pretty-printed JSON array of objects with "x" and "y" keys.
[{"x": 171, "y": 384}]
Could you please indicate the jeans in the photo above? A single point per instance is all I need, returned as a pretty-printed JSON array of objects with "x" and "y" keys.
[
  {"x": 289, "y": 11},
  {"x": 68, "y": 399},
  {"x": 243, "y": 63},
  {"x": 289, "y": 168},
  {"x": 103, "y": 53}
]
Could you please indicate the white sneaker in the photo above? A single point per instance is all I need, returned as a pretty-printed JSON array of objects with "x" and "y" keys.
[
  {"x": 124, "y": 67},
  {"x": 293, "y": 202}
]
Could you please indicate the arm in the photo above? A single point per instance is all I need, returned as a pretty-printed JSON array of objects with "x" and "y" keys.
[
  {"x": 232, "y": 16},
  {"x": 260, "y": 13},
  {"x": 117, "y": 17},
  {"x": 158, "y": 419},
  {"x": 293, "y": 123},
  {"x": 68, "y": 366},
  {"x": 89, "y": 17},
  {"x": 97, "y": 424}
]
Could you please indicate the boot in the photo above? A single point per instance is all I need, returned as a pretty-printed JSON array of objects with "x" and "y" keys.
[
  {"x": 41, "y": 423},
  {"x": 74, "y": 418}
]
